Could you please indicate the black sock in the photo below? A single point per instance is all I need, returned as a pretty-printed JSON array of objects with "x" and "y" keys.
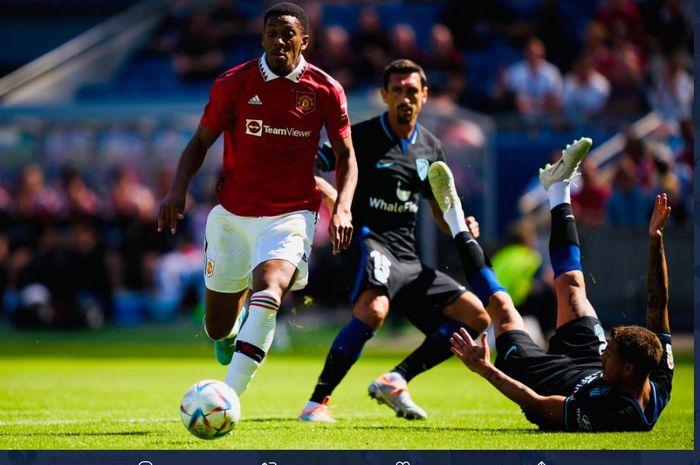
[
  {"x": 434, "y": 350},
  {"x": 563, "y": 227},
  {"x": 470, "y": 254},
  {"x": 336, "y": 367}
]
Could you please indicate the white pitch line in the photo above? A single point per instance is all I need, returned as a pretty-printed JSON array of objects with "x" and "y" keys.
[{"x": 86, "y": 422}]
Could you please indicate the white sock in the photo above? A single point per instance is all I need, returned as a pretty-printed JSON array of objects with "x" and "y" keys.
[
  {"x": 558, "y": 193},
  {"x": 258, "y": 331},
  {"x": 454, "y": 217}
]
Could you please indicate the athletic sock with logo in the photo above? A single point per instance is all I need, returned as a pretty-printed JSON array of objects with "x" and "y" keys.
[
  {"x": 564, "y": 249},
  {"x": 254, "y": 340},
  {"x": 345, "y": 351},
  {"x": 434, "y": 350},
  {"x": 477, "y": 268}
]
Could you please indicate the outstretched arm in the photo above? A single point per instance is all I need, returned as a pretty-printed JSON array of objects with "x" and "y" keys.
[
  {"x": 547, "y": 412},
  {"x": 173, "y": 205},
  {"x": 340, "y": 227},
  {"x": 657, "y": 272}
]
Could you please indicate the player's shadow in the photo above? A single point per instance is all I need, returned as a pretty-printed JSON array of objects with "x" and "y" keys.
[{"x": 402, "y": 427}]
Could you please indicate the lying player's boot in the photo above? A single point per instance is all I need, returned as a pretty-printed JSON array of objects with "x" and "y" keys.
[
  {"x": 224, "y": 348},
  {"x": 391, "y": 389},
  {"x": 443, "y": 185},
  {"x": 317, "y": 412},
  {"x": 566, "y": 168}
]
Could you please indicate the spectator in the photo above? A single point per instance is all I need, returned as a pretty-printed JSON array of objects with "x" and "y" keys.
[
  {"x": 445, "y": 66},
  {"x": 371, "y": 43},
  {"x": 535, "y": 83},
  {"x": 198, "y": 54},
  {"x": 228, "y": 23},
  {"x": 673, "y": 91},
  {"x": 595, "y": 45},
  {"x": 132, "y": 230},
  {"x": 34, "y": 199},
  {"x": 586, "y": 92},
  {"x": 479, "y": 24},
  {"x": 627, "y": 72},
  {"x": 622, "y": 18},
  {"x": 338, "y": 58},
  {"x": 403, "y": 44},
  {"x": 588, "y": 201},
  {"x": 555, "y": 31},
  {"x": 628, "y": 204},
  {"x": 666, "y": 180},
  {"x": 79, "y": 201},
  {"x": 636, "y": 150},
  {"x": 669, "y": 24}
]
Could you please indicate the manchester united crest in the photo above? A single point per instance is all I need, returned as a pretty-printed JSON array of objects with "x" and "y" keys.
[{"x": 306, "y": 102}]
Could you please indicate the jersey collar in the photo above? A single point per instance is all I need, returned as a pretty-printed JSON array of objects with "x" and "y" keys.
[
  {"x": 294, "y": 76},
  {"x": 384, "y": 119}
]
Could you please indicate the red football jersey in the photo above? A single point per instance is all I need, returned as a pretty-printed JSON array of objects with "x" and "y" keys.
[{"x": 271, "y": 127}]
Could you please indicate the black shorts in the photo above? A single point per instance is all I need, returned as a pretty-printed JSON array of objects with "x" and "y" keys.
[
  {"x": 416, "y": 290},
  {"x": 574, "y": 353}
]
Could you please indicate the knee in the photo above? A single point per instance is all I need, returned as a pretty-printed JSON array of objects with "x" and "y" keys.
[
  {"x": 480, "y": 321},
  {"x": 570, "y": 280},
  {"x": 372, "y": 314},
  {"x": 468, "y": 310}
]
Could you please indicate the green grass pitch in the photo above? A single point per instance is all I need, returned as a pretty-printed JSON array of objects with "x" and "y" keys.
[{"x": 120, "y": 389}]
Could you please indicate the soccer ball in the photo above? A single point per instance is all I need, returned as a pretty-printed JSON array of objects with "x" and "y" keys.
[{"x": 210, "y": 409}]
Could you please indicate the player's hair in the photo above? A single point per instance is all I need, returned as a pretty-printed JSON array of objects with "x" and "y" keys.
[
  {"x": 403, "y": 66},
  {"x": 638, "y": 346},
  {"x": 288, "y": 9}
]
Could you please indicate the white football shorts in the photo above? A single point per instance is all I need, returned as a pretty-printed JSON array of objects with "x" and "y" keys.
[{"x": 234, "y": 245}]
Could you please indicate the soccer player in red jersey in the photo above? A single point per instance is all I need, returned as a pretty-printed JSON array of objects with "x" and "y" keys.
[{"x": 271, "y": 111}]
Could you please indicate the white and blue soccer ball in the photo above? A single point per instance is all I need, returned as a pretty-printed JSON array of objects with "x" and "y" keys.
[{"x": 210, "y": 409}]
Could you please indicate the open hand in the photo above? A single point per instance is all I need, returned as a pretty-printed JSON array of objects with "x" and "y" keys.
[
  {"x": 659, "y": 216},
  {"x": 475, "y": 356}
]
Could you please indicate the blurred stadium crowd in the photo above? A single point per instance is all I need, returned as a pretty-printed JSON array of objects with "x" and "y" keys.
[{"x": 81, "y": 250}]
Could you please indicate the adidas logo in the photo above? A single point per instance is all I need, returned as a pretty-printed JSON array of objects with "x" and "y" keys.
[{"x": 255, "y": 100}]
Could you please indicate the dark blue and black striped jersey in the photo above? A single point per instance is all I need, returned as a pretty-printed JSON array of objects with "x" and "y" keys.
[
  {"x": 596, "y": 406},
  {"x": 393, "y": 173}
]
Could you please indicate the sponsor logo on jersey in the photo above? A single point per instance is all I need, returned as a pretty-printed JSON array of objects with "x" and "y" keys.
[
  {"x": 402, "y": 194},
  {"x": 254, "y": 127},
  {"x": 255, "y": 100},
  {"x": 422, "y": 166},
  {"x": 393, "y": 207},
  {"x": 669, "y": 357},
  {"x": 306, "y": 102}
]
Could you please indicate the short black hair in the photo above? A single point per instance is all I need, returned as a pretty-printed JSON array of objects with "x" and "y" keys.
[
  {"x": 638, "y": 346},
  {"x": 403, "y": 66},
  {"x": 288, "y": 9}
]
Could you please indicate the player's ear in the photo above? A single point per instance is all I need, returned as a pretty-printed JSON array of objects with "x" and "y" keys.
[
  {"x": 304, "y": 42},
  {"x": 383, "y": 92},
  {"x": 628, "y": 369},
  {"x": 424, "y": 99}
]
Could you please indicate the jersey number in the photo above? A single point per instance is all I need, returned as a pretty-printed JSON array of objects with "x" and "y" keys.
[{"x": 382, "y": 266}]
